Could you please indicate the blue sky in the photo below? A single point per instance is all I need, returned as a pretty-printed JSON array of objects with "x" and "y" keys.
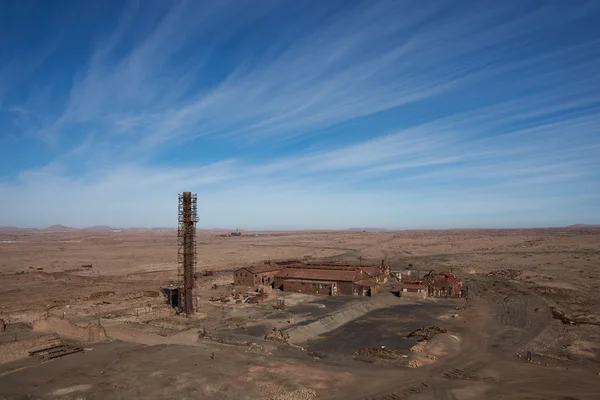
[{"x": 298, "y": 115}]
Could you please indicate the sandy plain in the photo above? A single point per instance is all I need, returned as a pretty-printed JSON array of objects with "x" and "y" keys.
[{"x": 520, "y": 283}]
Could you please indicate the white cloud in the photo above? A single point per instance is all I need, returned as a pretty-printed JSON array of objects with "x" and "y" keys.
[{"x": 508, "y": 153}]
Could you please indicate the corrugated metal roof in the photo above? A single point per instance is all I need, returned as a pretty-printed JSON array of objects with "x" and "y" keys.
[
  {"x": 372, "y": 271},
  {"x": 311, "y": 281},
  {"x": 326, "y": 266},
  {"x": 319, "y": 274},
  {"x": 257, "y": 269}
]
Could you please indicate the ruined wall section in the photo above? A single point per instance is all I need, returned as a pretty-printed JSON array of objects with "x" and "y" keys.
[
  {"x": 65, "y": 328},
  {"x": 20, "y": 349}
]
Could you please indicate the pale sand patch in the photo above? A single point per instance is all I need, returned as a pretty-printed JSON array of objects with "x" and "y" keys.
[{"x": 71, "y": 389}]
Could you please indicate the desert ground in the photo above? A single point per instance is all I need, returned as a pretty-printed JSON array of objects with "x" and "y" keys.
[{"x": 530, "y": 291}]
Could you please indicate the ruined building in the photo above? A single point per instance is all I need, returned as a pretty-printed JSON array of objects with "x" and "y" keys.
[
  {"x": 442, "y": 284},
  {"x": 330, "y": 278}
]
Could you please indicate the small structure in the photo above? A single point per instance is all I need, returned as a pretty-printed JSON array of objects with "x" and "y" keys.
[
  {"x": 416, "y": 290},
  {"x": 171, "y": 296},
  {"x": 381, "y": 274},
  {"x": 443, "y": 284},
  {"x": 407, "y": 274},
  {"x": 256, "y": 275},
  {"x": 367, "y": 287}
]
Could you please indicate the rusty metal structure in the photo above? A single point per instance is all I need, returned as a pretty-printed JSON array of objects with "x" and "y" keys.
[{"x": 186, "y": 254}]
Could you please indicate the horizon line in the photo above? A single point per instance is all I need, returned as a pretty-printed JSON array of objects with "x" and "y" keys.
[{"x": 104, "y": 228}]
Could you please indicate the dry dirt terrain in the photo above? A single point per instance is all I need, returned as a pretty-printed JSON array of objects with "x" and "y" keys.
[{"x": 530, "y": 291}]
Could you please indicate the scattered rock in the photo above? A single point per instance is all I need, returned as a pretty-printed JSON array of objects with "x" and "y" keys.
[
  {"x": 426, "y": 333},
  {"x": 379, "y": 352},
  {"x": 418, "y": 347},
  {"x": 558, "y": 314},
  {"x": 258, "y": 349},
  {"x": 317, "y": 355},
  {"x": 277, "y": 336},
  {"x": 511, "y": 274},
  {"x": 300, "y": 394}
]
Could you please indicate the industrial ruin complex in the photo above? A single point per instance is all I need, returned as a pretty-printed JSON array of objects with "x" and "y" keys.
[
  {"x": 331, "y": 278},
  {"x": 257, "y": 307},
  {"x": 335, "y": 278},
  {"x": 278, "y": 315},
  {"x": 320, "y": 278}
]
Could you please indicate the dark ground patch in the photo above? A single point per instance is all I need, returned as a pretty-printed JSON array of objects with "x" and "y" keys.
[
  {"x": 331, "y": 303},
  {"x": 384, "y": 327},
  {"x": 257, "y": 331},
  {"x": 311, "y": 309}
]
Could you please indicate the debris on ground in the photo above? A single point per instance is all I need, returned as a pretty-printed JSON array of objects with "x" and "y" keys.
[
  {"x": 269, "y": 389},
  {"x": 415, "y": 364},
  {"x": 558, "y": 314},
  {"x": 278, "y": 336},
  {"x": 426, "y": 333},
  {"x": 281, "y": 337},
  {"x": 300, "y": 394},
  {"x": 221, "y": 298},
  {"x": 258, "y": 298},
  {"x": 418, "y": 347},
  {"x": 317, "y": 355},
  {"x": 379, "y": 352},
  {"x": 509, "y": 273},
  {"x": 202, "y": 333},
  {"x": 257, "y": 349},
  {"x": 237, "y": 298}
]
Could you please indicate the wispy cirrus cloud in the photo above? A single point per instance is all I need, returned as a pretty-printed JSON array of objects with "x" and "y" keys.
[
  {"x": 369, "y": 100},
  {"x": 156, "y": 90}
]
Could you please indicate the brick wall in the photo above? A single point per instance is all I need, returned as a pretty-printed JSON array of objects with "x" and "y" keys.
[
  {"x": 307, "y": 287},
  {"x": 243, "y": 277}
]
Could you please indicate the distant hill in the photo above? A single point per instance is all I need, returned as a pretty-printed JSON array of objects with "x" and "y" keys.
[
  {"x": 13, "y": 230},
  {"x": 368, "y": 229},
  {"x": 584, "y": 226},
  {"x": 99, "y": 228},
  {"x": 58, "y": 228}
]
